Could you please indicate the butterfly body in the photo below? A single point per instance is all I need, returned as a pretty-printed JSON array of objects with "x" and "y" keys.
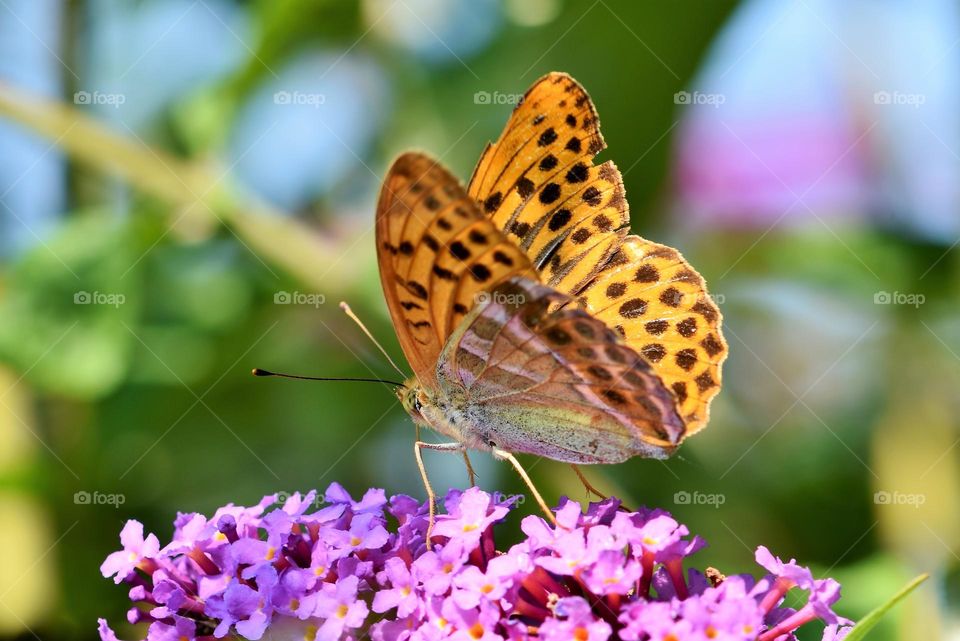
[{"x": 534, "y": 323}]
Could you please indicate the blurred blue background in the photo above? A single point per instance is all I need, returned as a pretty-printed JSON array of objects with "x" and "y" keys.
[{"x": 187, "y": 189}]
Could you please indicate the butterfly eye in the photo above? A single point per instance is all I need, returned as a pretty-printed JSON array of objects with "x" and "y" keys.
[{"x": 416, "y": 404}]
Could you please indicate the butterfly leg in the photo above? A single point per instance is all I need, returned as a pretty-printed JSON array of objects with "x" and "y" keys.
[
  {"x": 586, "y": 484},
  {"x": 418, "y": 448},
  {"x": 507, "y": 456},
  {"x": 473, "y": 475}
]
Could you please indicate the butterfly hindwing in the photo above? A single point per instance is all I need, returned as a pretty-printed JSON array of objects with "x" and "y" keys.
[
  {"x": 660, "y": 305},
  {"x": 437, "y": 251},
  {"x": 526, "y": 377}
]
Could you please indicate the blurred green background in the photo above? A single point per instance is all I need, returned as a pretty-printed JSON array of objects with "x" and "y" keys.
[{"x": 187, "y": 190}]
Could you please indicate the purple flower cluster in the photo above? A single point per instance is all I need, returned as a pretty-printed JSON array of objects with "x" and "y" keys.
[{"x": 346, "y": 569}]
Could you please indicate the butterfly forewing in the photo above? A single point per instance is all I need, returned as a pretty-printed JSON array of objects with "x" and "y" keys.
[
  {"x": 539, "y": 184},
  {"x": 437, "y": 251},
  {"x": 526, "y": 377}
]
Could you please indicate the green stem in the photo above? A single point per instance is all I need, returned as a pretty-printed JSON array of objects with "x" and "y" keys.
[
  {"x": 194, "y": 189},
  {"x": 867, "y": 623}
]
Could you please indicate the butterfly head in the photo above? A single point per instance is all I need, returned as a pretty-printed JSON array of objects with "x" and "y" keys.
[{"x": 413, "y": 398}]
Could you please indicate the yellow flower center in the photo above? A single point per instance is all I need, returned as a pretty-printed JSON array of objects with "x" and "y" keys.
[
  {"x": 487, "y": 589},
  {"x": 271, "y": 553},
  {"x": 354, "y": 541},
  {"x": 342, "y": 612},
  {"x": 476, "y": 631},
  {"x": 581, "y": 634}
]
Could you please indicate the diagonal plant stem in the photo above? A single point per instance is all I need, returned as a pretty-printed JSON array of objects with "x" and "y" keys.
[
  {"x": 192, "y": 187},
  {"x": 867, "y": 623}
]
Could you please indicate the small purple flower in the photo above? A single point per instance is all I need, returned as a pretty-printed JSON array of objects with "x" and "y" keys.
[
  {"x": 340, "y": 608},
  {"x": 373, "y": 500},
  {"x": 436, "y": 568},
  {"x": 660, "y": 534},
  {"x": 136, "y": 550},
  {"x": 238, "y": 602},
  {"x": 612, "y": 574},
  {"x": 646, "y": 620},
  {"x": 472, "y": 624},
  {"x": 402, "y": 592},
  {"x": 796, "y": 575},
  {"x": 473, "y": 585},
  {"x": 106, "y": 634},
  {"x": 825, "y": 593},
  {"x": 571, "y": 554},
  {"x": 365, "y": 533},
  {"x": 470, "y": 515},
  {"x": 182, "y": 629},
  {"x": 575, "y": 620}
]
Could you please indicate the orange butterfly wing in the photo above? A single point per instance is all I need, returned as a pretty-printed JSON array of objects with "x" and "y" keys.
[
  {"x": 436, "y": 252},
  {"x": 538, "y": 183}
]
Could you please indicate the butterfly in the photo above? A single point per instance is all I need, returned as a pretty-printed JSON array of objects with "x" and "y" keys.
[{"x": 534, "y": 322}]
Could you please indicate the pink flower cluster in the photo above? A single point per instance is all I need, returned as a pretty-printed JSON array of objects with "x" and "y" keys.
[{"x": 346, "y": 569}]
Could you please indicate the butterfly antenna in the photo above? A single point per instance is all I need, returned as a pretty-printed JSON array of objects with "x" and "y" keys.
[
  {"x": 263, "y": 372},
  {"x": 349, "y": 312}
]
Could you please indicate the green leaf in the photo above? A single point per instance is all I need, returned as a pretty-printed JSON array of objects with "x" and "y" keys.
[{"x": 865, "y": 624}]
